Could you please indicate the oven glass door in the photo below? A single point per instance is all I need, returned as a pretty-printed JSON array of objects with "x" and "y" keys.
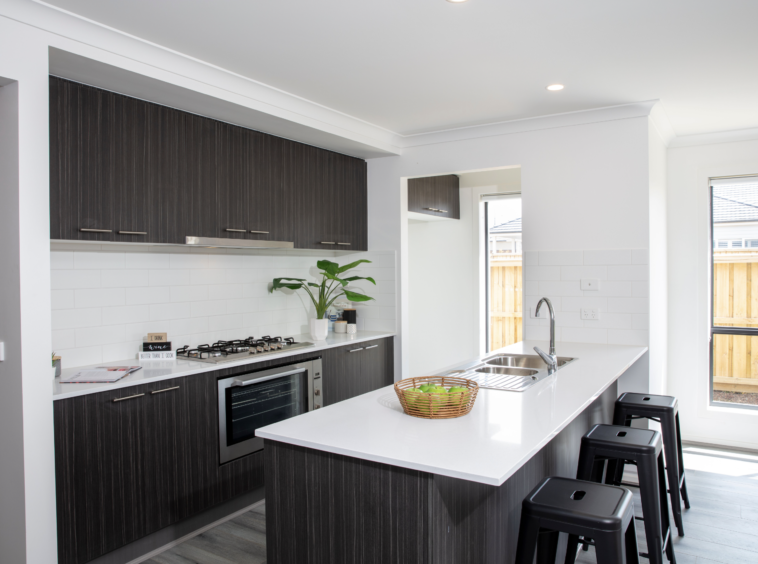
[{"x": 259, "y": 404}]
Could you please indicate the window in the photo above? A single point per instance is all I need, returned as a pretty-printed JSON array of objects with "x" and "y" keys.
[{"x": 734, "y": 263}]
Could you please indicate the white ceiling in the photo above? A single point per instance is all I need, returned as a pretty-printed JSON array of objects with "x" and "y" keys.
[{"x": 415, "y": 66}]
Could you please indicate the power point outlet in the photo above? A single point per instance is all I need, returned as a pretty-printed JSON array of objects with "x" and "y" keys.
[
  {"x": 590, "y": 313},
  {"x": 590, "y": 284}
]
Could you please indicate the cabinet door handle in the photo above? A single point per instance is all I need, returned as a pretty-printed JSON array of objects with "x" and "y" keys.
[
  {"x": 163, "y": 390},
  {"x": 127, "y": 398},
  {"x": 261, "y": 232},
  {"x": 343, "y": 243},
  {"x": 442, "y": 211},
  {"x": 96, "y": 230},
  {"x": 432, "y": 209},
  {"x": 327, "y": 242},
  {"x": 237, "y": 230},
  {"x": 372, "y": 347},
  {"x": 132, "y": 232},
  {"x": 356, "y": 350}
]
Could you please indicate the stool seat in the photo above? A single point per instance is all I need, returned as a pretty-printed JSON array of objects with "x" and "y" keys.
[
  {"x": 620, "y": 445},
  {"x": 594, "y": 511},
  {"x": 649, "y": 401},
  {"x": 665, "y": 410},
  {"x": 580, "y": 503}
]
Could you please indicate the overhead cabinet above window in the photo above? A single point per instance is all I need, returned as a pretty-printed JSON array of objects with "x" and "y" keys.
[
  {"x": 437, "y": 196},
  {"x": 126, "y": 170}
]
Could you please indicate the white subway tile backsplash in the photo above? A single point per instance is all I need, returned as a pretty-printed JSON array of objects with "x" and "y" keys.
[
  {"x": 640, "y": 256},
  {"x": 121, "y": 315},
  {"x": 641, "y": 289},
  {"x": 73, "y": 318},
  {"x": 610, "y": 321},
  {"x": 628, "y": 272},
  {"x": 628, "y": 305},
  {"x": 560, "y": 288},
  {"x": 561, "y": 258},
  {"x": 61, "y": 260},
  {"x": 640, "y": 321},
  {"x": 71, "y": 279},
  {"x": 611, "y": 288},
  {"x": 542, "y": 273},
  {"x": 89, "y": 336},
  {"x": 608, "y": 257},
  {"x": 542, "y": 333},
  {"x": 584, "y": 272},
  {"x": 98, "y": 260},
  {"x": 531, "y": 287},
  {"x": 531, "y": 258},
  {"x": 170, "y": 277},
  {"x": 124, "y": 278},
  {"x": 584, "y": 335},
  {"x": 628, "y": 337},
  {"x": 99, "y": 297},
  {"x": 568, "y": 319},
  {"x": 105, "y": 300},
  {"x": 576, "y": 304},
  {"x": 62, "y": 299},
  {"x": 137, "y": 296}
]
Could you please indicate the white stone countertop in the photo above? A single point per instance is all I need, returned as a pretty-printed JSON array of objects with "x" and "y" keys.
[
  {"x": 156, "y": 370},
  {"x": 502, "y": 432}
]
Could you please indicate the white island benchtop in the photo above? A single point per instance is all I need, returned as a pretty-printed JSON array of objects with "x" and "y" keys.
[
  {"x": 156, "y": 370},
  {"x": 502, "y": 432}
]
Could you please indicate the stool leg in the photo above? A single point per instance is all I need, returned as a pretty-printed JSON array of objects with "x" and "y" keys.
[
  {"x": 651, "y": 506},
  {"x": 571, "y": 548},
  {"x": 619, "y": 415},
  {"x": 685, "y": 497},
  {"x": 630, "y": 544},
  {"x": 668, "y": 428},
  {"x": 665, "y": 522},
  {"x": 528, "y": 535},
  {"x": 609, "y": 549},
  {"x": 586, "y": 465},
  {"x": 547, "y": 547}
]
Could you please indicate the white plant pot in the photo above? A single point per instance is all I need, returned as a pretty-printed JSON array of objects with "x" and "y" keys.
[{"x": 319, "y": 329}]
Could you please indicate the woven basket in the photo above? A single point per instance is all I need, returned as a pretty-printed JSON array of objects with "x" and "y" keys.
[{"x": 436, "y": 406}]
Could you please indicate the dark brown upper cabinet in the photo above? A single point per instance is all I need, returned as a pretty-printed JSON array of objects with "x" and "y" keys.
[
  {"x": 435, "y": 195},
  {"x": 127, "y": 170}
]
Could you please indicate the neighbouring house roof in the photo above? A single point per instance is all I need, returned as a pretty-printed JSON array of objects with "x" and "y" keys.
[
  {"x": 735, "y": 203},
  {"x": 512, "y": 226}
]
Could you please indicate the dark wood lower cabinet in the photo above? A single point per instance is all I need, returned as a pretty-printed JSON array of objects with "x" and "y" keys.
[
  {"x": 131, "y": 461},
  {"x": 324, "y": 508}
]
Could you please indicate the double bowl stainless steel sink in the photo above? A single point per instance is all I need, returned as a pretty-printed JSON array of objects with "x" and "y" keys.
[{"x": 512, "y": 372}]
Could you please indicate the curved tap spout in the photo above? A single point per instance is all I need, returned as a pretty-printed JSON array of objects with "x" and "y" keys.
[{"x": 550, "y": 359}]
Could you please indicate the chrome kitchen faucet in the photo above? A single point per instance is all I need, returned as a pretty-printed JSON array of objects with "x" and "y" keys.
[{"x": 550, "y": 359}]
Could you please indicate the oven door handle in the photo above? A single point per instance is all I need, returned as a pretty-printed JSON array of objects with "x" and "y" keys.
[{"x": 265, "y": 378}]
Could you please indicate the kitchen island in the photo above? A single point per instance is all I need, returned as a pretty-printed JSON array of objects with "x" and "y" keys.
[{"x": 361, "y": 482}]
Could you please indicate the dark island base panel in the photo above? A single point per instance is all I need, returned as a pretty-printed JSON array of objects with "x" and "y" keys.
[{"x": 324, "y": 508}]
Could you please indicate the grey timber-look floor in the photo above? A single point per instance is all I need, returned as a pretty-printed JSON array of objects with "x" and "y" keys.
[
  {"x": 720, "y": 528},
  {"x": 241, "y": 540}
]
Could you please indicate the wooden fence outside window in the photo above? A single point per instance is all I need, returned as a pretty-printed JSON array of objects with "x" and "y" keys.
[{"x": 505, "y": 302}]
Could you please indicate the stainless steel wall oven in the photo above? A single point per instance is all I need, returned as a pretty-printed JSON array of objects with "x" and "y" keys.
[{"x": 250, "y": 401}]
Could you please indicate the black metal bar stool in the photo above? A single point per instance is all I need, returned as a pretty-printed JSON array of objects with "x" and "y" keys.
[
  {"x": 665, "y": 410},
  {"x": 643, "y": 448},
  {"x": 602, "y": 513}
]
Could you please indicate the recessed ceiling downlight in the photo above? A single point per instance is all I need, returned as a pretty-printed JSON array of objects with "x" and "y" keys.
[
  {"x": 555, "y": 87},
  {"x": 457, "y": 1}
]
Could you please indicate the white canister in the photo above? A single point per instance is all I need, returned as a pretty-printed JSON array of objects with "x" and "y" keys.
[
  {"x": 352, "y": 328},
  {"x": 340, "y": 326}
]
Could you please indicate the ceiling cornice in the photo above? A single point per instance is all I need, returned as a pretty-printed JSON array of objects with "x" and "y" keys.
[
  {"x": 610, "y": 113},
  {"x": 714, "y": 137},
  {"x": 661, "y": 122}
]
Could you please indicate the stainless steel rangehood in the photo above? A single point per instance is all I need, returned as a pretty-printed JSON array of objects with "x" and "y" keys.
[{"x": 238, "y": 243}]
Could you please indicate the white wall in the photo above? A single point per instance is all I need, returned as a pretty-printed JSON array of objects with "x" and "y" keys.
[
  {"x": 689, "y": 289},
  {"x": 105, "y": 299},
  {"x": 442, "y": 291},
  {"x": 658, "y": 318},
  {"x": 584, "y": 187},
  {"x": 12, "y": 530}
]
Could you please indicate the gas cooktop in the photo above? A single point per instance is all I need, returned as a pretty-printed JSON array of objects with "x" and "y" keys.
[{"x": 240, "y": 349}]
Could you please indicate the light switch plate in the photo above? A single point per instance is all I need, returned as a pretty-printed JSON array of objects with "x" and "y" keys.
[
  {"x": 2, "y": 351},
  {"x": 590, "y": 284},
  {"x": 590, "y": 313}
]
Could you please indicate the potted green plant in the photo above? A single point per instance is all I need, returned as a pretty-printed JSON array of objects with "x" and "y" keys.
[{"x": 333, "y": 285}]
